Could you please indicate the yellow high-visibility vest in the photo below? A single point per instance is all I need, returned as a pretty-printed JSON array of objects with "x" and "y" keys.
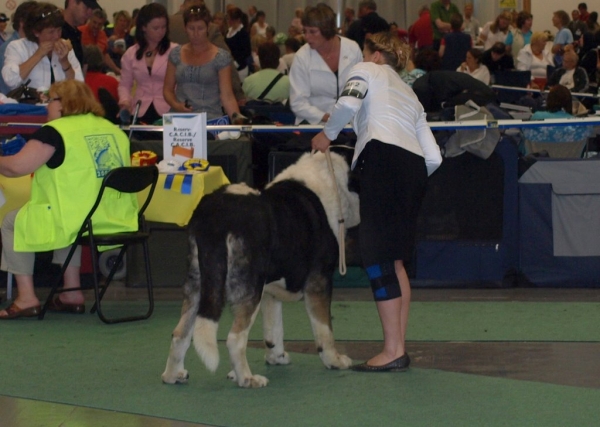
[{"x": 62, "y": 197}]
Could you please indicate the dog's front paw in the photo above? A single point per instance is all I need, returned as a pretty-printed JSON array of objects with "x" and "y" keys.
[
  {"x": 344, "y": 362},
  {"x": 254, "y": 381},
  {"x": 334, "y": 360},
  {"x": 180, "y": 377},
  {"x": 277, "y": 359}
]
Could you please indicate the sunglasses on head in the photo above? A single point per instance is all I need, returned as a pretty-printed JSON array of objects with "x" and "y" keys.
[{"x": 47, "y": 14}]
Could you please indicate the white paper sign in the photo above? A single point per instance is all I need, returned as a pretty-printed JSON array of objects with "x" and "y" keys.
[{"x": 184, "y": 136}]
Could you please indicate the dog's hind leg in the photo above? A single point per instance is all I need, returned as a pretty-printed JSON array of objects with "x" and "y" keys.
[
  {"x": 182, "y": 335},
  {"x": 244, "y": 289},
  {"x": 318, "y": 306},
  {"x": 273, "y": 328},
  {"x": 237, "y": 341}
]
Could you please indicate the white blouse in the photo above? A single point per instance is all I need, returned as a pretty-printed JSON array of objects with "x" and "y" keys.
[
  {"x": 527, "y": 61},
  {"x": 19, "y": 51},
  {"x": 314, "y": 88},
  {"x": 261, "y": 31},
  {"x": 481, "y": 73},
  {"x": 492, "y": 38},
  {"x": 384, "y": 108}
]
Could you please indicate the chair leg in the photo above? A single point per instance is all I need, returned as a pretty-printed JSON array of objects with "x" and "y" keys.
[
  {"x": 111, "y": 274},
  {"x": 149, "y": 283},
  {"x": 97, "y": 294},
  {"x": 54, "y": 290},
  {"x": 98, "y": 306}
]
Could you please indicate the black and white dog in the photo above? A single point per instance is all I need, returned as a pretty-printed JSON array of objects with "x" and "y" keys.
[{"x": 251, "y": 249}]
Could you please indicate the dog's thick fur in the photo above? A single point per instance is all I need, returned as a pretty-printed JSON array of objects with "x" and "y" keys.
[{"x": 242, "y": 239}]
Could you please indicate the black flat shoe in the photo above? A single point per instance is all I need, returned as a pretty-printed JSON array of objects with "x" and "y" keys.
[{"x": 398, "y": 365}]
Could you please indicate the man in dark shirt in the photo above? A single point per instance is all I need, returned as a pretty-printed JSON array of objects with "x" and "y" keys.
[
  {"x": 496, "y": 58},
  {"x": 577, "y": 26},
  {"x": 368, "y": 23},
  {"x": 76, "y": 13}
]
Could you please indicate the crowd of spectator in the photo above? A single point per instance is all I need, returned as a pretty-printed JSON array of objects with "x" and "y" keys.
[
  {"x": 152, "y": 63},
  {"x": 148, "y": 54}
]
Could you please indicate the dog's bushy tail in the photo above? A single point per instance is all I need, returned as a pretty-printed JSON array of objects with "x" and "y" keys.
[{"x": 205, "y": 342}]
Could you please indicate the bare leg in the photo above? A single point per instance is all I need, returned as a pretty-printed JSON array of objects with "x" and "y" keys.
[
  {"x": 394, "y": 320},
  {"x": 26, "y": 297},
  {"x": 72, "y": 280},
  {"x": 406, "y": 296},
  {"x": 20, "y": 264}
]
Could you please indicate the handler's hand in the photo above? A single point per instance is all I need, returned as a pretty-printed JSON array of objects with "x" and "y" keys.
[{"x": 320, "y": 142}]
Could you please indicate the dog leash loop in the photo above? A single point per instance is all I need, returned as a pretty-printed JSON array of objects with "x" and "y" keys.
[{"x": 342, "y": 228}]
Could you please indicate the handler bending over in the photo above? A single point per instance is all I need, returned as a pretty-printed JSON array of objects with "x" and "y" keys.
[{"x": 394, "y": 155}]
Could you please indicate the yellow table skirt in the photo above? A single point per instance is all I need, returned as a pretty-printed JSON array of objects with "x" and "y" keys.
[
  {"x": 16, "y": 192},
  {"x": 167, "y": 205},
  {"x": 172, "y": 206}
]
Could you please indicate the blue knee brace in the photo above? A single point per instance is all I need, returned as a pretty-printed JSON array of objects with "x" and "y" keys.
[{"x": 384, "y": 282}]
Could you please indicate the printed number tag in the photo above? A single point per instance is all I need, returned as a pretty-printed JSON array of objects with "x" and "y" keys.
[{"x": 355, "y": 89}]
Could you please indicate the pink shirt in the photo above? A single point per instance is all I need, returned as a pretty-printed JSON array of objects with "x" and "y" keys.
[{"x": 148, "y": 84}]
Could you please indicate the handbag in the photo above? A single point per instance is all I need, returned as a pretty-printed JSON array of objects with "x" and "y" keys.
[
  {"x": 25, "y": 94},
  {"x": 261, "y": 108}
]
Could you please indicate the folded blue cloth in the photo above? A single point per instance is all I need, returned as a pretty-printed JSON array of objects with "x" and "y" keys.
[
  {"x": 22, "y": 109},
  {"x": 11, "y": 146}
]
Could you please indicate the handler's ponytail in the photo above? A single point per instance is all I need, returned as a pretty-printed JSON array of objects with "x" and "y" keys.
[{"x": 395, "y": 52}]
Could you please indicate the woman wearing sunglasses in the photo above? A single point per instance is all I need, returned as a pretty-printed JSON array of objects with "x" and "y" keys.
[
  {"x": 42, "y": 56},
  {"x": 198, "y": 77}
]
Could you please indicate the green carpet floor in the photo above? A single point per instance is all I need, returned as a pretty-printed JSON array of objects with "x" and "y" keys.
[
  {"x": 358, "y": 321},
  {"x": 78, "y": 360}
]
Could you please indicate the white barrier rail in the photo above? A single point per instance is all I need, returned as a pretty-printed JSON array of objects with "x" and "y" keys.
[
  {"x": 529, "y": 90},
  {"x": 461, "y": 125}
]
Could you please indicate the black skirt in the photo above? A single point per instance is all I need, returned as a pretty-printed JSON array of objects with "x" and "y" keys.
[{"x": 392, "y": 186}]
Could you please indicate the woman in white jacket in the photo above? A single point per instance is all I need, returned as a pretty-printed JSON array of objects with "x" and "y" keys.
[
  {"x": 473, "y": 66},
  {"x": 394, "y": 155},
  {"x": 41, "y": 56},
  {"x": 320, "y": 68},
  {"x": 536, "y": 57}
]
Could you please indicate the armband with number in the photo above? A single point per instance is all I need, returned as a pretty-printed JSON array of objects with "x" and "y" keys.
[{"x": 355, "y": 89}]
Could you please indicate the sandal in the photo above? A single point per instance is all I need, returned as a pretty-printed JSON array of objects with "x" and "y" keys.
[
  {"x": 14, "y": 312},
  {"x": 57, "y": 305}
]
